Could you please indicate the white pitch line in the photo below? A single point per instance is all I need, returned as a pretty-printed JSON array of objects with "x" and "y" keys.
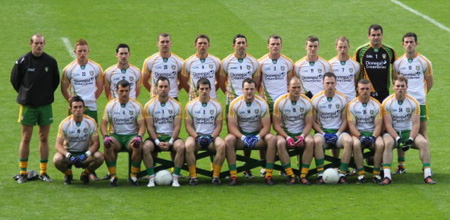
[
  {"x": 441, "y": 26},
  {"x": 69, "y": 46}
]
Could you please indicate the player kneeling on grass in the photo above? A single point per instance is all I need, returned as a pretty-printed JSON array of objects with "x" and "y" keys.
[
  {"x": 248, "y": 127},
  {"x": 163, "y": 120},
  {"x": 124, "y": 115},
  {"x": 365, "y": 123},
  {"x": 292, "y": 120},
  {"x": 330, "y": 124},
  {"x": 77, "y": 143},
  {"x": 401, "y": 114},
  {"x": 203, "y": 121}
]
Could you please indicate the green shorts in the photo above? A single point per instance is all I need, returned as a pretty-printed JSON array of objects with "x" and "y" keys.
[
  {"x": 404, "y": 135},
  {"x": 424, "y": 113},
  {"x": 366, "y": 133},
  {"x": 40, "y": 115},
  {"x": 124, "y": 140}
]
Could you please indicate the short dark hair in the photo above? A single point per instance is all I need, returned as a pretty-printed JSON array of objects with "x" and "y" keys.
[
  {"x": 75, "y": 99},
  {"x": 274, "y": 36},
  {"x": 203, "y": 81},
  {"x": 312, "y": 38},
  {"x": 201, "y": 36},
  {"x": 122, "y": 45},
  {"x": 239, "y": 36},
  {"x": 375, "y": 27},
  {"x": 81, "y": 42},
  {"x": 122, "y": 83},
  {"x": 410, "y": 34},
  {"x": 363, "y": 81},
  {"x": 38, "y": 36},
  {"x": 401, "y": 79},
  {"x": 329, "y": 74},
  {"x": 249, "y": 81},
  {"x": 162, "y": 78},
  {"x": 164, "y": 35},
  {"x": 342, "y": 38}
]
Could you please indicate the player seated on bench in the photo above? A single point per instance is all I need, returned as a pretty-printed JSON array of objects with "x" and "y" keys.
[
  {"x": 249, "y": 127},
  {"x": 163, "y": 120},
  {"x": 203, "y": 121},
  {"x": 127, "y": 127},
  {"x": 292, "y": 120},
  {"x": 365, "y": 123},
  {"x": 330, "y": 125}
]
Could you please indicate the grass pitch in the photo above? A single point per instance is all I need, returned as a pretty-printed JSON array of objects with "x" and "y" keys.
[{"x": 106, "y": 23}]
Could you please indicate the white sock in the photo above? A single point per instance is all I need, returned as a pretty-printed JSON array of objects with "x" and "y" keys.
[
  {"x": 426, "y": 172},
  {"x": 387, "y": 173}
]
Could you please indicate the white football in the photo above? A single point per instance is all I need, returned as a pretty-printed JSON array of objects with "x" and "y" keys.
[
  {"x": 330, "y": 176},
  {"x": 163, "y": 178}
]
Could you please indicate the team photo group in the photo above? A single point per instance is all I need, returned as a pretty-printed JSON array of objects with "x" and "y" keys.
[{"x": 272, "y": 105}]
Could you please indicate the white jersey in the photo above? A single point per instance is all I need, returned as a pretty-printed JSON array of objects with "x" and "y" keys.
[
  {"x": 77, "y": 135},
  {"x": 415, "y": 70},
  {"x": 113, "y": 75},
  {"x": 123, "y": 118},
  {"x": 236, "y": 70},
  {"x": 401, "y": 111},
  {"x": 345, "y": 72},
  {"x": 204, "y": 116},
  {"x": 364, "y": 114},
  {"x": 249, "y": 115},
  {"x": 156, "y": 66},
  {"x": 195, "y": 68},
  {"x": 329, "y": 110},
  {"x": 163, "y": 114},
  {"x": 293, "y": 113},
  {"x": 82, "y": 80},
  {"x": 274, "y": 76},
  {"x": 311, "y": 74}
]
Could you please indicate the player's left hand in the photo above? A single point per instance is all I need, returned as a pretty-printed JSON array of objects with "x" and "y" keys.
[
  {"x": 299, "y": 141},
  {"x": 407, "y": 144},
  {"x": 137, "y": 141},
  {"x": 252, "y": 140},
  {"x": 205, "y": 140},
  {"x": 290, "y": 141},
  {"x": 330, "y": 138}
]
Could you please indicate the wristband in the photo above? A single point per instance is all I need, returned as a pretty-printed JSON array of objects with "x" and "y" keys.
[
  {"x": 243, "y": 137},
  {"x": 259, "y": 137},
  {"x": 171, "y": 141},
  {"x": 157, "y": 142},
  {"x": 68, "y": 155},
  {"x": 88, "y": 153},
  {"x": 397, "y": 138},
  {"x": 303, "y": 136},
  {"x": 411, "y": 138},
  {"x": 338, "y": 133}
]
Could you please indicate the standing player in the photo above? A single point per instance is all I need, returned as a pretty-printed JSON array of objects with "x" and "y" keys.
[
  {"x": 164, "y": 63},
  {"x": 163, "y": 120},
  {"x": 330, "y": 126},
  {"x": 365, "y": 123},
  {"x": 35, "y": 77},
  {"x": 275, "y": 70},
  {"x": 234, "y": 69},
  {"x": 345, "y": 68},
  {"x": 249, "y": 127},
  {"x": 310, "y": 69},
  {"x": 292, "y": 120},
  {"x": 77, "y": 143},
  {"x": 127, "y": 126},
  {"x": 401, "y": 114},
  {"x": 419, "y": 72},
  {"x": 201, "y": 65},
  {"x": 123, "y": 70},
  {"x": 376, "y": 60},
  {"x": 203, "y": 121},
  {"x": 83, "y": 77}
]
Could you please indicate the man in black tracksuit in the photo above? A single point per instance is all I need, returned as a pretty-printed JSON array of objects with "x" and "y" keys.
[{"x": 35, "y": 77}]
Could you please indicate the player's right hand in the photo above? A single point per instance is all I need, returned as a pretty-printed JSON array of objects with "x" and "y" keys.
[
  {"x": 365, "y": 141},
  {"x": 299, "y": 141},
  {"x": 290, "y": 141},
  {"x": 107, "y": 141},
  {"x": 330, "y": 138},
  {"x": 399, "y": 142},
  {"x": 407, "y": 144},
  {"x": 73, "y": 159}
]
